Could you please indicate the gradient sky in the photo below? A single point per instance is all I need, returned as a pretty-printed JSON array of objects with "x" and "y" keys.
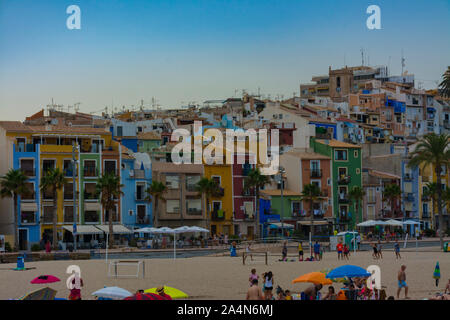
[{"x": 180, "y": 51}]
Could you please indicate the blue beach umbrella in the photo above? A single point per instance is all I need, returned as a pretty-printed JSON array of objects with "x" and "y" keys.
[{"x": 349, "y": 271}]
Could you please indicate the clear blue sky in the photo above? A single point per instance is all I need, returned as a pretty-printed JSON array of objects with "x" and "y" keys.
[{"x": 196, "y": 50}]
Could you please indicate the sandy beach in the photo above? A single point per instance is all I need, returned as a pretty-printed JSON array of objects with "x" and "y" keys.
[{"x": 227, "y": 278}]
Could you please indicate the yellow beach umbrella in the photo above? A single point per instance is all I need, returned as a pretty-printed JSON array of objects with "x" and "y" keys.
[
  {"x": 313, "y": 277},
  {"x": 172, "y": 292}
]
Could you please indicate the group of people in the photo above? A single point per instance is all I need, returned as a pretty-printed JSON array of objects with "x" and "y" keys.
[
  {"x": 343, "y": 251},
  {"x": 317, "y": 252}
]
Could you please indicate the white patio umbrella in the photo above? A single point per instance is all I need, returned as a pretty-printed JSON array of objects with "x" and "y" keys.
[
  {"x": 394, "y": 223},
  {"x": 368, "y": 223},
  {"x": 411, "y": 222},
  {"x": 199, "y": 229},
  {"x": 145, "y": 230},
  {"x": 114, "y": 293}
]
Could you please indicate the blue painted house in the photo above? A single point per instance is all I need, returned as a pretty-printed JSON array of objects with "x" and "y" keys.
[
  {"x": 26, "y": 158},
  {"x": 410, "y": 193},
  {"x": 136, "y": 178},
  {"x": 266, "y": 216}
]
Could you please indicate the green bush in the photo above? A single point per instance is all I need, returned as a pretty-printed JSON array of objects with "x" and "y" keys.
[
  {"x": 132, "y": 243},
  {"x": 8, "y": 247},
  {"x": 36, "y": 247},
  {"x": 447, "y": 232}
]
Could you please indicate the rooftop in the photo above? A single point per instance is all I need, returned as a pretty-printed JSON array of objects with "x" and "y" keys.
[{"x": 337, "y": 144}]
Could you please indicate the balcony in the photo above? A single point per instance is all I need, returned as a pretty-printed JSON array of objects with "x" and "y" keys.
[
  {"x": 29, "y": 172},
  {"x": 218, "y": 215},
  {"x": 343, "y": 198},
  {"x": 316, "y": 173},
  {"x": 409, "y": 197},
  {"x": 246, "y": 169},
  {"x": 425, "y": 198},
  {"x": 68, "y": 172},
  {"x": 89, "y": 196},
  {"x": 140, "y": 196},
  {"x": 194, "y": 211},
  {"x": 344, "y": 180},
  {"x": 143, "y": 220},
  {"x": 220, "y": 192},
  {"x": 21, "y": 147},
  {"x": 137, "y": 174},
  {"x": 27, "y": 217},
  {"x": 344, "y": 218},
  {"x": 90, "y": 172},
  {"x": 447, "y": 124},
  {"x": 407, "y": 177},
  {"x": 371, "y": 200},
  {"x": 191, "y": 188}
]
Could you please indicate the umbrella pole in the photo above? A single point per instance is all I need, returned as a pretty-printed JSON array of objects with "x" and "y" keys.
[{"x": 174, "y": 246}]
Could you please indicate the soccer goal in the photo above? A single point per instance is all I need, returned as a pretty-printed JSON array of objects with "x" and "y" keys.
[
  {"x": 254, "y": 258},
  {"x": 132, "y": 266}
]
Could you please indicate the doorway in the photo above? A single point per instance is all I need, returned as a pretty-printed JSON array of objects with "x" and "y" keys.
[{"x": 23, "y": 239}]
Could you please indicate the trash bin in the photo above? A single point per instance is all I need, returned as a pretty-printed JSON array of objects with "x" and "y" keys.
[
  {"x": 20, "y": 262},
  {"x": 446, "y": 248}
]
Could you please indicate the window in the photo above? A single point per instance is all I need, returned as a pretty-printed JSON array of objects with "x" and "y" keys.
[
  {"x": 30, "y": 194},
  {"x": 119, "y": 131},
  {"x": 371, "y": 212},
  {"x": 68, "y": 214},
  {"x": 110, "y": 166},
  {"x": 355, "y": 153},
  {"x": 217, "y": 179},
  {"x": 68, "y": 191},
  {"x": 141, "y": 213},
  {"x": 296, "y": 208},
  {"x": 191, "y": 183},
  {"x": 248, "y": 209},
  {"x": 194, "y": 206},
  {"x": 27, "y": 217},
  {"x": 358, "y": 171},
  {"x": 140, "y": 191},
  {"x": 48, "y": 165},
  {"x": 27, "y": 166},
  {"x": 48, "y": 194},
  {"x": 173, "y": 181},
  {"x": 91, "y": 216},
  {"x": 340, "y": 155},
  {"x": 68, "y": 168},
  {"x": 90, "y": 191},
  {"x": 173, "y": 206},
  {"x": 47, "y": 214}
]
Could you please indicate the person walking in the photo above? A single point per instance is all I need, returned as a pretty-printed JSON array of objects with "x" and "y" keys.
[
  {"x": 402, "y": 282},
  {"x": 254, "y": 292},
  {"x": 284, "y": 252},
  {"x": 397, "y": 250},
  {"x": 317, "y": 251},
  {"x": 380, "y": 254},
  {"x": 340, "y": 248},
  {"x": 268, "y": 285},
  {"x": 300, "y": 252}
]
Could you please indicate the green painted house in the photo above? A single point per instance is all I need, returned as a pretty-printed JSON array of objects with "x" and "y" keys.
[
  {"x": 147, "y": 141},
  {"x": 346, "y": 173}
]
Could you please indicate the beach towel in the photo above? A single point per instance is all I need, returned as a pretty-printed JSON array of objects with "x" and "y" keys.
[{"x": 437, "y": 273}]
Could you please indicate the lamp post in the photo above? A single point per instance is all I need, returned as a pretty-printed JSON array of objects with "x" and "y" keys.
[
  {"x": 75, "y": 149},
  {"x": 281, "y": 170}
]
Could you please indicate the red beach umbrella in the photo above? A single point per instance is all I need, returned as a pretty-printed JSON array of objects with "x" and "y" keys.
[
  {"x": 145, "y": 296},
  {"x": 45, "y": 279}
]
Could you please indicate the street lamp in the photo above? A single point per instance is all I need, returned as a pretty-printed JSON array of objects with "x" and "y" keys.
[{"x": 281, "y": 171}]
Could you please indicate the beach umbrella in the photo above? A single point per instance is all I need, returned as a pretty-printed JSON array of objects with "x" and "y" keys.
[
  {"x": 437, "y": 273},
  {"x": 349, "y": 271},
  {"x": 40, "y": 294},
  {"x": 411, "y": 222},
  {"x": 163, "y": 230},
  {"x": 145, "y": 230},
  {"x": 183, "y": 229},
  {"x": 145, "y": 296},
  {"x": 115, "y": 293},
  {"x": 45, "y": 279},
  {"x": 172, "y": 292},
  {"x": 199, "y": 229},
  {"x": 313, "y": 277},
  {"x": 394, "y": 223},
  {"x": 368, "y": 223}
]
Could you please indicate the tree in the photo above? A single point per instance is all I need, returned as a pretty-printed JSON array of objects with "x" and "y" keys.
[
  {"x": 53, "y": 180},
  {"x": 109, "y": 188},
  {"x": 356, "y": 196},
  {"x": 444, "y": 86},
  {"x": 391, "y": 193},
  {"x": 310, "y": 194},
  {"x": 13, "y": 185},
  {"x": 207, "y": 187},
  {"x": 433, "y": 150},
  {"x": 255, "y": 180},
  {"x": 432, "y": 193},
  {"x": 155, "y": 192}
]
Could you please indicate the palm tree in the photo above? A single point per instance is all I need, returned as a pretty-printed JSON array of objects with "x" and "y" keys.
[
  {"x": 391, "y": 193},
  {"x": 109, "y": 188},
  {"x": 434, "y": 150},
  {"x": 431, "y": 192},
  {"x": 444, "y": 86},
  {"x": 53, "y": 180},
  {"x": 356, "y": 196},
  {"x": 207, "y": 187},
  {"x": 311, "y": 193},
  {"x": 155, "y": 192},
  {"x": 255, "y": 180},
  {"x": 13, "y": 185}
]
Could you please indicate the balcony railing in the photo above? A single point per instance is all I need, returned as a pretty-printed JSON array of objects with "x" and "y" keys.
[
  {"x": 90, "y": 172},
  {"x": 409, "y": 197},
  {"x": 220, "y": 192},
  {"x": 344, "y": 218},
  {"x": 344, "y": 180},
  {"x": 90, "y": 196},
  {"x": 29, "y": 172},
  {"x": 407, "y": 177},
  {"x": 194, "y": 211},
  {"x": 140, "y": 196},
  {"x": 316, "y": 173},
  {"x": 137, "y": 174},
  {"x": 47, "y": 218},
  {"x": 218, "y": 215},
  {"x": 191, "y": 188},
  {"x": 28, "y": 218},
  {"x": 143, "y": 220},
  {"x": 343, "y": 198}
]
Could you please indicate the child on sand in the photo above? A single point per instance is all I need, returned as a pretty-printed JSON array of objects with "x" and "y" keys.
[
  {"x": 397, "y": 250},
  {"x": 300, "y": 252},
  {"x": 346, "y": 252},
  {"x": 252, "y": 277}
]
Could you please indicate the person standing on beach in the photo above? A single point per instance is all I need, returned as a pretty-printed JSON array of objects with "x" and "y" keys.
[
  {"x": 248, "y": 251},
  {"x": 397, "y": 250},
  {"x": 402, "y": 282},
  {"x": 268, "y": 285},
  {"x": 375, "y": 251},
  {"x": 48, "y": 247},
  {"x": 284, "y": 252},
  {"x": 254, "y": 292},
  {"x": 358, "y": 242},
  {"x": 300, "y": 252},
  {"x": 346, "y": 252},
  {"x": 339, "y": 248},
  {"x": 317, "y": 251},
  {"x": 380, "y": 254}
]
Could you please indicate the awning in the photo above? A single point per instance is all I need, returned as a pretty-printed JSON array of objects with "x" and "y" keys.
[
  {"x": 28, "y": 206},
  {"x": 277, "y": 225},
  {"x": 316, "y": 223},
  {"x": 84, "y": 229},
  {"x": 92, "y": 206},
  {"x": 117, "y": 228}
]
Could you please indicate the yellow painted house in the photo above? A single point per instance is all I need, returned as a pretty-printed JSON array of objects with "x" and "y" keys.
[{"x": 221, "y": 204}]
